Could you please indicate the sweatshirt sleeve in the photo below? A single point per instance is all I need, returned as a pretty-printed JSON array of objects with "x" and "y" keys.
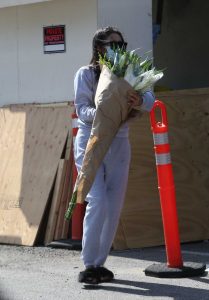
[
  {"x": 84, "y": 95},
  {"x": 148, "y": 101}
]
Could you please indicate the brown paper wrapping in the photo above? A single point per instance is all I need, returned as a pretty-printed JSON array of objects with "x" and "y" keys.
[{"x": 112, "y": 110}]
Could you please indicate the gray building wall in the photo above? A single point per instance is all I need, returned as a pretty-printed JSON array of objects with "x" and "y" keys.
[{"x": 183, "y": 44}]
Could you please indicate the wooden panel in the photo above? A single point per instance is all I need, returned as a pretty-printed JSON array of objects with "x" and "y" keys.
[
  {"x": 31, "y": 143},
  {"x": 66, "y": 191},
  {"x": 68, "y": 146},
  {"x": 54, "y": 210},
  {"x": 120, "y": 239},
  {"x": 188, "y": 120}
]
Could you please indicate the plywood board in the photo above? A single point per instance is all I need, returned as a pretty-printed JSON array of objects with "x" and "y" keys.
[
  {"x": 68, "y": 194},
  {"x": 54, "y": 209},
  {"x": 31, "y": 143},
  {"x": 64, "y": 202},
  {"x": 188, "y": 121}
]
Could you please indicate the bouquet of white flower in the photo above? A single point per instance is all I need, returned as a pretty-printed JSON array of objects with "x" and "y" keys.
[
  {"x": 136, "y": 71},
  {"x": 126, "y": 72}
]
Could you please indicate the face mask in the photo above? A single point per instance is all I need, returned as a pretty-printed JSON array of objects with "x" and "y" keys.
[{"x": 110, "y": 54}]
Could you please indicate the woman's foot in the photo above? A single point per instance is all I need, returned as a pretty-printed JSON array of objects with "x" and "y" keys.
[
  {"x": 90, "y": 276},
  {"x": 104, "y": 274}
]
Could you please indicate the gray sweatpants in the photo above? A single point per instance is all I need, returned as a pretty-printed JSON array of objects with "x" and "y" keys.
[{"x": 105, "y": 199}]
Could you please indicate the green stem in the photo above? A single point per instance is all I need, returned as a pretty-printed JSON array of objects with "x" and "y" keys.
[{"x": 72, "y": 204}]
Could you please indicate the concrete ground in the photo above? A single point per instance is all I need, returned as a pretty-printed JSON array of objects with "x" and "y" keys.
[{"x": 46, "y": 273}]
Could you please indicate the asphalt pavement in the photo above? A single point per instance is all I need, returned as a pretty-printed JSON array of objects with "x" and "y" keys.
[{"x": 30, "y": 273}]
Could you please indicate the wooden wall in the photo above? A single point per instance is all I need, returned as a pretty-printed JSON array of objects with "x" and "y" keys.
[
  {"x": 32, "y": 139},
  {"x": 188, "y": 121}
]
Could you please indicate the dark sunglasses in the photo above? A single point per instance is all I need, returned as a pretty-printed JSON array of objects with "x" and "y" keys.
[{"x": 114, "y": 45}]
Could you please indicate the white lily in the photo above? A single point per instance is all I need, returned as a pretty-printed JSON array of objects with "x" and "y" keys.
[
  {"x": 146, "y": 80},
  {"x": 129, "y": 75}
]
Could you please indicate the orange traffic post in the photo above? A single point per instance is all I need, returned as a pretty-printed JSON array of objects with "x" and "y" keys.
[
  {"x": 79, "y": 210},
  {"x": 166, "y": 186},
  {"x": 175, "y": 266}
]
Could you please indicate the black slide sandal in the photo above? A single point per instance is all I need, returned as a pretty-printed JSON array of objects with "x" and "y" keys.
[
  {"x": 89, "y": 276},
  {"x": 104, "y": 274}
]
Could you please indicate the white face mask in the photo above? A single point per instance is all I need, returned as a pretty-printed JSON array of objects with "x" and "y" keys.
[{"x": 110, "y": 53}]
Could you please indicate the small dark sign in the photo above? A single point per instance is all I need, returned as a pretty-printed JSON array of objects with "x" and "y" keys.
[{"x": 54, "y": 39}]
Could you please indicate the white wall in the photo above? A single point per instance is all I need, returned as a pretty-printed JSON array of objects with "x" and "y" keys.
[
  {"x": 7, "y": 3},
  {"x": 132, "y": 17},
  {"x": 26, "y": 73},
  {"x": 8, "y": 56}
]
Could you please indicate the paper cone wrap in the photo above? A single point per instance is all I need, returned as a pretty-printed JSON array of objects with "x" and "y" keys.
[{"x": 111, "y": 111}]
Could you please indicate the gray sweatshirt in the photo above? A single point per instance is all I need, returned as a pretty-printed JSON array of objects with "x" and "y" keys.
[{"x": 85, "y": 85}]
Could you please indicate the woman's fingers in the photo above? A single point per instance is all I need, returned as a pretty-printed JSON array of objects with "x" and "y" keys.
[{"x": 134, "y": 99}]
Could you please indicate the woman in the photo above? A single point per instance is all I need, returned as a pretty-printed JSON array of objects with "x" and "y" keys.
[{"x": 106, "y": 197}]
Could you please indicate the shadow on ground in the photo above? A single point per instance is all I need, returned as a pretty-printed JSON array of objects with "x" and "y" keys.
[{"x": 154, "y": 289}]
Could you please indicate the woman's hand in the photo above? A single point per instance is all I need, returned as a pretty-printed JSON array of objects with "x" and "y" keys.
[{"x": 134, "y": 99}]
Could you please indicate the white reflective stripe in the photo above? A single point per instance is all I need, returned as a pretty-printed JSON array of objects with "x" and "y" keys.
[
  {"x": 163, "y": 159},
  {"x": 160, "y": 138},
  {"x": 75, "y": 123}
]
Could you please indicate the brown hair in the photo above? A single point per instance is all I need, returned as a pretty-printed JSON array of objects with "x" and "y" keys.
[{"x": 99, "y": 39}]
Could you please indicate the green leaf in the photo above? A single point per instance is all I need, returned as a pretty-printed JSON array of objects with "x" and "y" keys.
[{"x": 71, "y": 206}]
